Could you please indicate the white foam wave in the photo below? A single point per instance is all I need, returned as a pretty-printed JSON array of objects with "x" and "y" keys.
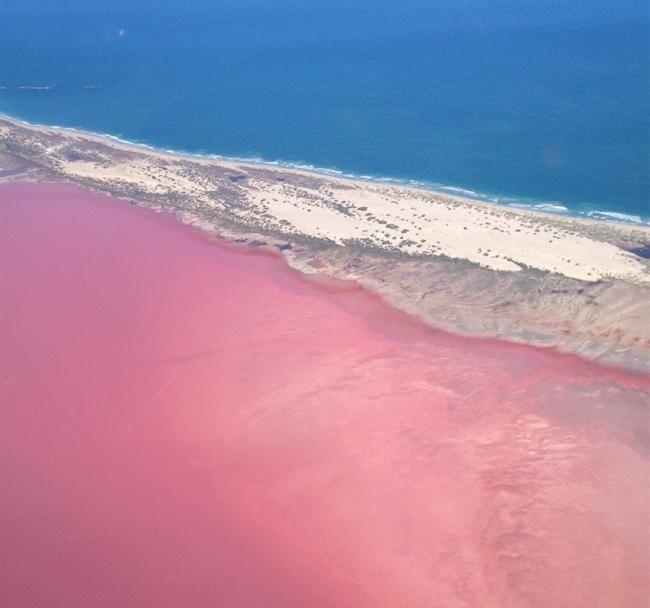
[
  {"x": 551, "y": 207},
  {"x": 615, "y": 215},
  {"x": 464, "y": 191},
  {"x": 29, "y": 87}
]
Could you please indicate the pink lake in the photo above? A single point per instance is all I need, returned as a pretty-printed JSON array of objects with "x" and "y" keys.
[{"x": 186, "y": 424}]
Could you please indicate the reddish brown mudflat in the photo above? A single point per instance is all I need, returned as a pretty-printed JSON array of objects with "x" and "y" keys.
[{"x": 184, "y": 424}]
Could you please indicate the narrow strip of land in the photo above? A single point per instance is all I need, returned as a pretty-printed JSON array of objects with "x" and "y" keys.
[{"x": 463, "y": 265}]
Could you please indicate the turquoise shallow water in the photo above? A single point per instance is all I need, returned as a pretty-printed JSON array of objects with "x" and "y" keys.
[{"x": 528, "y": 102}]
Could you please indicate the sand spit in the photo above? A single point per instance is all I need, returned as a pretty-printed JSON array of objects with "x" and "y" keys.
[{"x": 462, "y": 265}]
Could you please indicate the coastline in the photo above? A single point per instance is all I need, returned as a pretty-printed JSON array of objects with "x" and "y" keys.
[
  {"x": 470, "y": 267},
  {"x": 511, "y": 202}
]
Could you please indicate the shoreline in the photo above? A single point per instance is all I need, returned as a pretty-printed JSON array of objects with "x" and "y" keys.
[
  {"x": 472, "y": 268},
  {"x": 554, "y": 209},
  {"x": 324, "y": 284}
]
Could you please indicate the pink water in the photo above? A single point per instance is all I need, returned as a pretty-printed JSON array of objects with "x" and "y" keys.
[{"x": 185, "y": 424}]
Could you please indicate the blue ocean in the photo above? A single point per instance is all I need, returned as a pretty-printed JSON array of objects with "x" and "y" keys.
[{"x": 533, "y": 102}]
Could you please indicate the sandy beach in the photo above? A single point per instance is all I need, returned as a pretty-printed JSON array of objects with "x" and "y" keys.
[{"x": 463, "y": 265}]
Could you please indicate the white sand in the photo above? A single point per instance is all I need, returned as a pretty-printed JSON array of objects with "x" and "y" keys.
[{"x": 397, "y": 218}]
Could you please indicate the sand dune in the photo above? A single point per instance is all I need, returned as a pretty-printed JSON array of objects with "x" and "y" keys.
[{"x": 520, "y": 275}]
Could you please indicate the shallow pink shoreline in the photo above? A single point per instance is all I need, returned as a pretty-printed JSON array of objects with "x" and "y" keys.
[{"x": 188, "y": 424}]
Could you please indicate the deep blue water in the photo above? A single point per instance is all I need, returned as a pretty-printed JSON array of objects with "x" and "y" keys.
[{"x": 542, "y": 100}]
